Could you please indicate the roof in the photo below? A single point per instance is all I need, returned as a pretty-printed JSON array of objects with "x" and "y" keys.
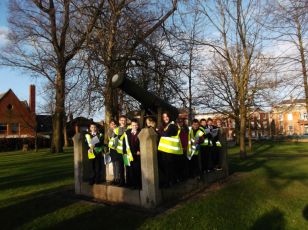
[
  {"x": 44, "y": 123},
  {"x": 293, "y": 101},
  {"x": 3, "y": 94}
]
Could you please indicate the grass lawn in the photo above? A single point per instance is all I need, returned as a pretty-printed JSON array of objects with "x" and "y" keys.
[{"x": 267, "y": 191}]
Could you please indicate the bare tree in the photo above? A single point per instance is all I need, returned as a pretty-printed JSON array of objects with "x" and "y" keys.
[
  {"x": 44, "y": 38},
  {"x": 235, "y": 47},
  {"x": 120, "y": 31},
  {"x": 288, "y": 24}
]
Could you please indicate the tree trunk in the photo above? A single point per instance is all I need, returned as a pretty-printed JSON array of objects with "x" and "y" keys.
[
  {"x": 302, "y": 60},
  {"x": 190, "y": 115},
  {"x": 111, "y": 103},
  {"x": 66, "y": 141},
  {"x": 35, "y": 142},
  {"x": 243, "y": 153},
  {"x": 249, "y": 135},
  {"x": 58, "y": 116},
  {"x": 237, "y": 131}
]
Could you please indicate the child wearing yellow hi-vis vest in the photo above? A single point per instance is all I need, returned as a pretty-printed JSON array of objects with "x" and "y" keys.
[
  {"x": 131, "y": 155},
  {"x": 95, "y": 142},
  {"x": 195, "y": 139},
  {"x": 117, "y": 155}
]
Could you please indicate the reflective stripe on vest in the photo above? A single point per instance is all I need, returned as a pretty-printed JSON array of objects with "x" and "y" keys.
[
  {"x": 192, "y": 148},
  {"x": 93, "y": 149},
  {"x": 218, "y": 144},
  {"x": 171, "y": 145},
  {"x": 128, "y": 150},
  {"x": 119, "y": 146},
  {"x": 111, "y": 143},
  {"x": 206, "y": 140}
]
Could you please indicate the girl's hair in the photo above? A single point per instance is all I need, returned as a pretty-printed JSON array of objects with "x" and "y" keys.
[{"x": 168, "y": 114}]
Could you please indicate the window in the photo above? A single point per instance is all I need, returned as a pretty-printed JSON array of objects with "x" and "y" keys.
[
  {"x": 290, "y": 117},
  {"x": 3, "y": 128},
  {"x": 306, "y": 129},
  {"x": 265, "y": 124},
  {"x": 290, "y": 129},
  {"x": 281, "y": 126},
  {"x": 280, "y": 117},
  {"x": 305, "y": 116},
  {"x": 14, "y": 128},
  {"x": 9, "y": 106}
]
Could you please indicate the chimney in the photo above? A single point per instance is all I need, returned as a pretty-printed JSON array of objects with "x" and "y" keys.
[{"x": 32, "y": 98}]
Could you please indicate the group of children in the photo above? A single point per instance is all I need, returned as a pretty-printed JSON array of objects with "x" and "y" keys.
[{"x": 183, "y": 152}]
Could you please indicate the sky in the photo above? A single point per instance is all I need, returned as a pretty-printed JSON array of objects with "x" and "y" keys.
[{"x": 11, "y": 78}]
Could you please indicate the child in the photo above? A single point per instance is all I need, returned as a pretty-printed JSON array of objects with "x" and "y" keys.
[
  {"x": 133, "y": 172},
  {"x": 95, "y": 142}
]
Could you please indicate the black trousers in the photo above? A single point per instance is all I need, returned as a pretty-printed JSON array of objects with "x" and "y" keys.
[
  {"x": 194, "y": 166},
  {"x": 216, "y": 155},
  {"x": 118, "y": 166},
  {"x": 133, "y": 172},
  {"x": 96, "y": 168},
  {"x": 166, "y": 164},
  {"x": 206, "y": 158}
]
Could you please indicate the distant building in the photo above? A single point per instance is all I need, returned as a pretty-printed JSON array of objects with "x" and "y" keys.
[
  {"x": 19, "y": 123},
  {"x": 259, "y": 124},
  {"x": 17, "y": 118},
  {"x": 290, "y": 117}
]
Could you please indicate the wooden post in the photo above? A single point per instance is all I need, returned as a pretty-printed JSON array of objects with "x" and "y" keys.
[{"x": 150, "y": 194}]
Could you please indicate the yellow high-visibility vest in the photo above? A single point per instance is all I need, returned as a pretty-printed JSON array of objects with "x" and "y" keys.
[
  {"x": 128, "y": 156},
  {"x": 119, "y": 146},
  {"x": 218, "y": 144},
  {"x": 93, "y": 149},
  {"x": 192, "y": 139},
  {"x": 111, "y": 143},
  {"x": 206, "y": 140},
  {"x": 171, "y": 145}
]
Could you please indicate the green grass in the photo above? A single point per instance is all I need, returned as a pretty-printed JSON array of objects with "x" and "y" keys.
[{"x": 269, "y": 190}]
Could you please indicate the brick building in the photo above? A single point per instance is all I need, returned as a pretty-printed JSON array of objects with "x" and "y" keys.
[
  {"x": 290, "y": 117},
  {"x": 17, "y": 118}
]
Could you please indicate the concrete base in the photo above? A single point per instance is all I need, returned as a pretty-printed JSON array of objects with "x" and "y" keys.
[
  {"x": 185, "y": 188},
  {"x": 112, "y": 194},
  {"x": 115, "y": 194}
]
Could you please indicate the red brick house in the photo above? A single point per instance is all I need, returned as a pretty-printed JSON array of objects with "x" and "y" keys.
[
  {"x": 17, "y": 118},
  {"x": 291, "y": 117}
]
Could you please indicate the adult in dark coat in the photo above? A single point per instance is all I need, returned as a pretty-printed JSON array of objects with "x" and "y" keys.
[{"x": 167, "y": 161}]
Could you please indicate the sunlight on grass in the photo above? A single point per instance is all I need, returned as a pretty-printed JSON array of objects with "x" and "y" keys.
[{"x": 269, "y": 190}]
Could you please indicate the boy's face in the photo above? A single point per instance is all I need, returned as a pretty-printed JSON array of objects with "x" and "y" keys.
[
  {"x": 209, "y": 122},
  {"x": 203, "y": 123},
  {"x": 134, "y": 126},
  {"x": 122, "y": 122},
  {"x": 195, "y": 125},
  {"x": 93, "y": 128},
  {"x": 112, "y": 125}
]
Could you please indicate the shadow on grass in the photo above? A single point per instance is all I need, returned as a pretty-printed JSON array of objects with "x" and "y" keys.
[
  {"x": 305, "y": 212},
  {"x": 273, "y": 220},
  {"x": 30, "y": 207},
  {"x": 105, "y": 217},
  {"x": 35, "y": 179}
]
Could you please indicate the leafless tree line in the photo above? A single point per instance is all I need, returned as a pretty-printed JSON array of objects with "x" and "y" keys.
[{"x": 220, "y": 54}]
